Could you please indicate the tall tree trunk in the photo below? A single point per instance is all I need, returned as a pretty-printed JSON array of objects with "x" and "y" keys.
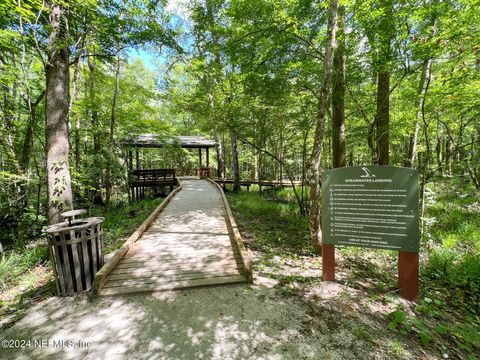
[
  {"x": 382, "y": 117},
  {"x": 256, "y": 163},
  {"x": 304, "y": 175},
  {"x": 75, "y": 93},
  {"x": 438, "y": 149},
  {"x": 338, "y": 96},
  {"x": 108, "y": 173},
  {"x": 448, "y": 152},
  {"x": 57, "y": 76},
  {"x": 28, "y": 140},
  {"x": 473, "y": 164},
  {"x": 424, "y": 169},
  {"x": 93, "y": 106},
  {"x": 382, "y": 64},
  {"x": 315, "y": 158},
  {"x": 235, "y": 164},
  {"x": 6, "y": 141},
  {"x": 422, "y": 92},
  {"x": 281, "y": 157},
  {"x": 97, "y": 147},
  {"x": 261, "y": 167},
  {"x": 220, "y": 155}
]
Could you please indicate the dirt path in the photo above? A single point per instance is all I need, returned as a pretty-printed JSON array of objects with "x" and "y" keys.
[{"x": 260, "y": 321}]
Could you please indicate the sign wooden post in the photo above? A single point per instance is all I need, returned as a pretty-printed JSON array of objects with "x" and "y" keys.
[
  {"x": 408, "y": 276},
  {"x": 328, "y": 262},
  {"x": 374, "y": 207}
]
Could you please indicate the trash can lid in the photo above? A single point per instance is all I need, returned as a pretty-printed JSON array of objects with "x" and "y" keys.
[
  {"x": 74, "y": 225},
  {"x": 72, "y": 213}
]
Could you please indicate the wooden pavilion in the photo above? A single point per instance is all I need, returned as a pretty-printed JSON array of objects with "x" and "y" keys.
[{"x": 140, "y": 178}]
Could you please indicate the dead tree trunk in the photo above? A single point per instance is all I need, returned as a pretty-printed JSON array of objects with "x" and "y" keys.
[
  {"x": 57, "y": 76},
  {"x": 315, "y": 158}
]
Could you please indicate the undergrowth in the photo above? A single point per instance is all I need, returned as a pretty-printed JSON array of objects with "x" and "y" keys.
[
  {"x": 25, "y": 273},
  {"x": 448, "y": 312}
]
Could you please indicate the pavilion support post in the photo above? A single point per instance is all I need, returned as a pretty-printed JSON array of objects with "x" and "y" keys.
[
  {"x": 137, "y": 158},
  {"x": 130, "y": 168},
  {"x": 130, "y": 160},
  {"x": 200, "y": 157},
  {"x": 208, "y": 161},
  {"x": 219, "y": 174}
]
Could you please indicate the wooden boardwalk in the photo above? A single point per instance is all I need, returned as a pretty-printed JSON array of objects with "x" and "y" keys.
[{"x": 191, "y": 242}]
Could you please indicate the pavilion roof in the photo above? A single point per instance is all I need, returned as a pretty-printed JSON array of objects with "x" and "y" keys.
[{"x": 156, "y": 141}]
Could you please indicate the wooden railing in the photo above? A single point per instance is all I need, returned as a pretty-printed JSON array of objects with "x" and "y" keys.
[
  {"x": 153, "y": 175},
  {"x": 152, "y": 178}
]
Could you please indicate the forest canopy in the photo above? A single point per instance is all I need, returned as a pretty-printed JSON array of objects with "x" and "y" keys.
[{"x": 394, "y": 83}]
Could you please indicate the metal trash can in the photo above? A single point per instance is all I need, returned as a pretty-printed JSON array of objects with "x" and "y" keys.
[{"x": 76, "y": 251}]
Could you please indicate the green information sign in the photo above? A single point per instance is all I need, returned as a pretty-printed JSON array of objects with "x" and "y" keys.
[{"x": 371, "y": 206}]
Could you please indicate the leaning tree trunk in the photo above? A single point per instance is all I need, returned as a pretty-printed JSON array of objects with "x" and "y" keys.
[
  {"x": 338, "y": 96},
  {"x": 315, "y": 158},
  {"x": 57, "y": 76}
]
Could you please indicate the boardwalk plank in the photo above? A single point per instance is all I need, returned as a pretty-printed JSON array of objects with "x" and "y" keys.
[
  {"x": 150, "y": 275},
  {"x": 142, "y": 287},
  {"x": 135, "y": 281},
  {"x": 152, "y": 270},
  {"x": 195, "y": 258}
]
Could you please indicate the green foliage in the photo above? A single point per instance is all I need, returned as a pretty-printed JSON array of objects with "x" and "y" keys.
[
  {"x": 453, "y": 230},
  {"x": 19, "y": 220},
  {"x": 273, "y": 225},
  {"x": 15, "y": 264},
  {"x": 122, "y": 220},
  {"x": 407, "y": 324},
  {"x": 440, "y": 307}
]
